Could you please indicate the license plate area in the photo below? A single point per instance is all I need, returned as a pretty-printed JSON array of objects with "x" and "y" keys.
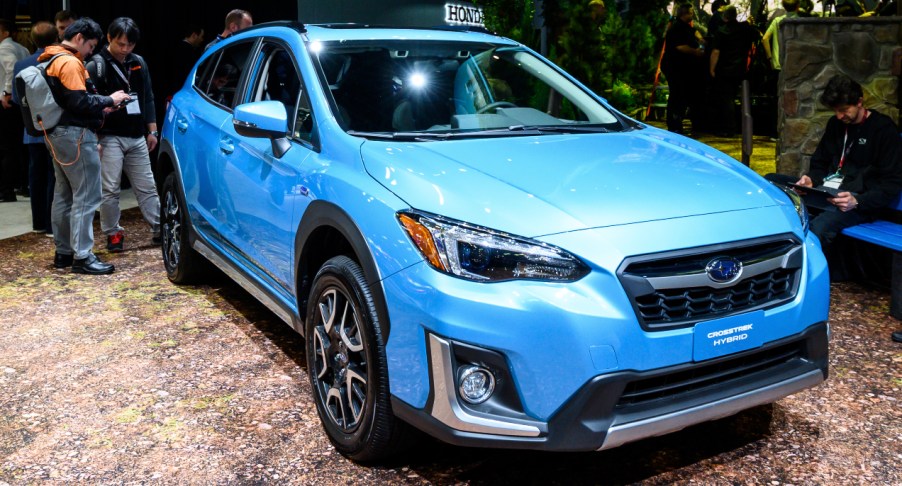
[{"x": 720, "y": 337}]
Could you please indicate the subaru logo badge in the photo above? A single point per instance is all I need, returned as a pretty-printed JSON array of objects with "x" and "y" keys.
[{"x": 723, "y": 269}]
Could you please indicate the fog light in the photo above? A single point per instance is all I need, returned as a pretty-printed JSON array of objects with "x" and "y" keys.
[{"x": 476, "y": 384}]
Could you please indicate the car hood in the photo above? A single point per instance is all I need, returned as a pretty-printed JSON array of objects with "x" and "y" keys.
[{"x": 541, "y": 185}]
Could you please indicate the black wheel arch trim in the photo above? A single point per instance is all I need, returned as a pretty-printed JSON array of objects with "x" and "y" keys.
[
  {"x": 320, "y": 214},
  {"x": 161, "y": 172}
]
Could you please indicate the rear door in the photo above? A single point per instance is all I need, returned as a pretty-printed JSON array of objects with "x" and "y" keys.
[{"x": 198, "y": 118}]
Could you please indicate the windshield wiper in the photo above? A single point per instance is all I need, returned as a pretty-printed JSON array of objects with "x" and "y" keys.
[
  {"x": 433, "y": 136},
  {"x": 562, "y": 128}
]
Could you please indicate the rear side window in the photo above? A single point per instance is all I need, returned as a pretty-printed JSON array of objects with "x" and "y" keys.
[{"x": 218, "y": 77}]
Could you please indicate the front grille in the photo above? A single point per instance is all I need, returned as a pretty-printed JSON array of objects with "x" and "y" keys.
[
  {"x": 674, "y": 305},
  {"x": 672, "y": 385},
  {"x": 672, "y": 290}
]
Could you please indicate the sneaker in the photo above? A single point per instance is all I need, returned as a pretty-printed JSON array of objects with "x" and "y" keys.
[
  {"x": 115, "y": 243},
  {"x": 156, "y": 240}
]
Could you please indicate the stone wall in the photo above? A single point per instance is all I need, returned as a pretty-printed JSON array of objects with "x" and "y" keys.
[{"x": 815, "y": 49}]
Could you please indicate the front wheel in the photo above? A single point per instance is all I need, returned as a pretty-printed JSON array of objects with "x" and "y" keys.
[
  {"x": 183, "y": 264},
  {"x": 347, "y": 365}
]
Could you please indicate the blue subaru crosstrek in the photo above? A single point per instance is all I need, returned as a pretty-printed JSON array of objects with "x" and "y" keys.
[{"x": 475, "y": 245}]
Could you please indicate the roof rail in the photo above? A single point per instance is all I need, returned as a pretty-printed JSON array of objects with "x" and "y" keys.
[{"x": 293, "y": 24}]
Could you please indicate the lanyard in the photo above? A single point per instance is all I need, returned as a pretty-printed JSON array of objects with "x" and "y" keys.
[
  {"x": 845, "y": 150},
  {"x": 128, "y": 85},
  {"x": 848, "y": 148}
]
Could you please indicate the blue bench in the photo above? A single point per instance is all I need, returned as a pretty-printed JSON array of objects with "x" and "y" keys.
[{"x": 888, "y": 235}]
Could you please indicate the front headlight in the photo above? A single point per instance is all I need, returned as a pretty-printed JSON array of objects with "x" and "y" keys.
[
  {"x": 799, "y": 205},
  {"x": 476, "y": 253}
]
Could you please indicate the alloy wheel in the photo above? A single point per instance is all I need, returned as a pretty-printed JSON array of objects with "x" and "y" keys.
[
  {"x": 340, "y": 359},
  {"x": 172, "y": 229}
]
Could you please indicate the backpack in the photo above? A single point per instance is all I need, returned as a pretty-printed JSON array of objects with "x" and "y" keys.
[
  {"x": 40, "y": 110},
  {"x": 99, "y": 64}
]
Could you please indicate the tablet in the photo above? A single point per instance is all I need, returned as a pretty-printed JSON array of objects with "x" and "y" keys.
[
  {"x": 821, "y": 191},
  {"x": 818, "y": 197}
]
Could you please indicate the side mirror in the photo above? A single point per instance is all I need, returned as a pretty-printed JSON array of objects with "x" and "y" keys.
[{"x": 263, "y": 119}]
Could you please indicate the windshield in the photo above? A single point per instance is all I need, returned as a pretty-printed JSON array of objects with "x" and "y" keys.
[{"x": 424, "y": 90}]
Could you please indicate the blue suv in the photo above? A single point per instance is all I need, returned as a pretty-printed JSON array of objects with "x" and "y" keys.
[{"x": 475, "y": 245}]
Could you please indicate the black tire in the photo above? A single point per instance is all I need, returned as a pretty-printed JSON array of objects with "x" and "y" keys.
[
  {"x": 183, "y": 264},
  {"x": 347, "y": 366}
]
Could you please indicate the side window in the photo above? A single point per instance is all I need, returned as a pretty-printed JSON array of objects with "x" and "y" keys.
[
  {"x": 220, "y": 79},
  {"x": 205, "y": 73},
  {"x": 277, "y": 79}
]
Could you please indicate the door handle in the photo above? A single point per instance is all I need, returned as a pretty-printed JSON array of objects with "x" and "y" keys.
[
  {"x": 226, "y": 145},
  {"x": 181, "y": 125}
]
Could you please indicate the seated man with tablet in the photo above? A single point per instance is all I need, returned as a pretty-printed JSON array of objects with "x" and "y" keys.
[{"x": 856, "y": 169}]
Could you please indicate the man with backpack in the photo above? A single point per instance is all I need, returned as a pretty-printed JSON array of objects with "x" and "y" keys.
[
  {"x": 73, "y": 145},
  {"x": 128, "y": 135}
]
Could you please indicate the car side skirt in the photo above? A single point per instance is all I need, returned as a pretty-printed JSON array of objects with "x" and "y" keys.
[{"x": 286, "y": 314}]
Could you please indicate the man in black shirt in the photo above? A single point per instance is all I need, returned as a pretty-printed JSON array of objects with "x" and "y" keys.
[
  {"x": 129, "y": 134},
  {"x": 860, "y": 158},
  {"x": 682, "y": 65},
  {"x": 730, "y": 49},
  {"x": 184, "y": 54},
  {"x": 859, "y": 155}
]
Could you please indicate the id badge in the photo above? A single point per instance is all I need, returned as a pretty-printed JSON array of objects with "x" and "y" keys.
[
  {"x": 833, "y": 181},
  {"x": 133, "y": 108}
]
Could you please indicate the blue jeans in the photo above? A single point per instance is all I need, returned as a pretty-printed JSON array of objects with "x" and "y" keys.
[{"x": 77, "y": 194}]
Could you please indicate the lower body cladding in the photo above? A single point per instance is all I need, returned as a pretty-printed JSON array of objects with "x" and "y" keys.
[{"x": 610, "y": 409}]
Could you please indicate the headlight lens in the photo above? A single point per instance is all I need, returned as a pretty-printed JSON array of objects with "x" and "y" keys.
[
  {"x": 799, "y": 205},
  {"x": 482, "y": 254}
]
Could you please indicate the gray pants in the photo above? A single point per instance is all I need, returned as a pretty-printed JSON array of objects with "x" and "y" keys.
[
  {"x": 129, "y": 155},
  {"x": 77, "y": 192}
]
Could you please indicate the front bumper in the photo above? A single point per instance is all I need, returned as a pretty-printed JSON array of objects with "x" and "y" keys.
[{"x": 616, "y": 408}]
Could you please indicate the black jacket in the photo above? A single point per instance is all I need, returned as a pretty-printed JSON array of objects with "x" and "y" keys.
[
  {"x": 73, "y": 89},
  {"x": 676, "y": 63},
  {"x": 734, "y": 40},
  {"x": 872, "y": 169},
  {"x": 132, "y": 76}
]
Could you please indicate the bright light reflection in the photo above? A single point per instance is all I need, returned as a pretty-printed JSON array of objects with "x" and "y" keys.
[
  {"x": 441, "y": 197},
  {"x": 417, "y": 80},
  {"x": 316, "y": 47}
]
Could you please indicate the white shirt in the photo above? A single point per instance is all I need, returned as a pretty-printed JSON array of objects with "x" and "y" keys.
[{"x": 10, "y": 53}]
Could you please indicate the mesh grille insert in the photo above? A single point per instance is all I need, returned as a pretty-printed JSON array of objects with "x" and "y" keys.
[
  {"x": 697, "y": 377},
  {"x": 674, "y": 305}
]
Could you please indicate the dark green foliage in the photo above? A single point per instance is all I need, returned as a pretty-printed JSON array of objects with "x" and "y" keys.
[
  {"x": 618, "y": 51},
  {"x": 510, "y": 18}
]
